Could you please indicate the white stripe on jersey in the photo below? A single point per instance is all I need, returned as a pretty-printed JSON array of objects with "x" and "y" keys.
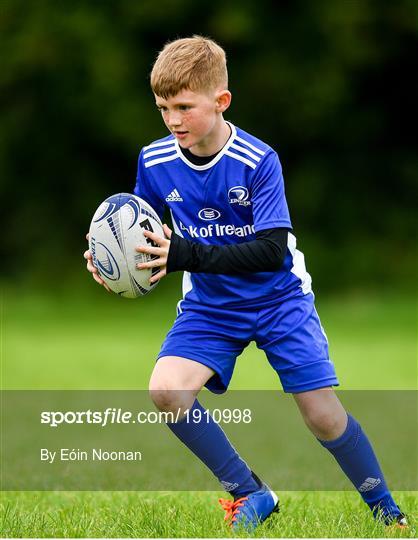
[
  {"x": 241, "y": 158},
  {"x": 153, "y": 162},
  {"x": 154, "y": 145},
  {"x": 299, "y": 268},
  {"x": 160, "y": 151},
  {"x": 243, "y": 141},
  {"x": 175, "y": 226},
  {"x": 187, "y": 284},
  {"x": 245, "y": 151}
]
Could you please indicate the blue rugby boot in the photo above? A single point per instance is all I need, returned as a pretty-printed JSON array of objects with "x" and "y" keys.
[{"x": 248, "y": 512}]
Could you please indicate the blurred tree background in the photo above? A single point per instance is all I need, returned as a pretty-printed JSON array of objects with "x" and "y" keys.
[{"x": 329, "y": 84}]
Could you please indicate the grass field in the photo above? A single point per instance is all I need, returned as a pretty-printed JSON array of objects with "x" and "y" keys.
[
  {"x": 89, "y": 340},
  {"x": 190, "y": 514}
]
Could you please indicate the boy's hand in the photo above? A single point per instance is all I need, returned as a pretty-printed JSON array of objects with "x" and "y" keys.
[
  {"x": 92, "y": 269},
  {"x": 162, "y": 252}
]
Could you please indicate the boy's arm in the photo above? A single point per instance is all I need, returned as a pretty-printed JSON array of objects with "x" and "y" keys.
[
  {"x": 173, "y": 253},
  {"x": 265, "y": 254}
]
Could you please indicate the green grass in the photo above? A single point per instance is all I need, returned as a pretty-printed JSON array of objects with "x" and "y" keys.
[
  {"x": 89, "y": 340},
  {"x": 161, "y": 515}
]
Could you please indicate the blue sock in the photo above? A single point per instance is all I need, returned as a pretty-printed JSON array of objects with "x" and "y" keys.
[
  {"x": 356, "y": 457},
  {"x": 210, "y": 444}
]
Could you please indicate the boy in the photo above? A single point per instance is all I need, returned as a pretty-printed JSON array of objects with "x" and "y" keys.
[{"x": 244, "y": 280}]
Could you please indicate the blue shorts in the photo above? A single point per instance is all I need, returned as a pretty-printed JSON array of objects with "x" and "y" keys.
[{"x": 290, "y": 333}]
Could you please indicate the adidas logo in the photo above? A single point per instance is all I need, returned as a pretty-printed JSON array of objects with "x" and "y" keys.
[
  {"x": 174, "y": 196},
  {"x": 229, "y": 486},
  {"x": 369, "y": 484}
]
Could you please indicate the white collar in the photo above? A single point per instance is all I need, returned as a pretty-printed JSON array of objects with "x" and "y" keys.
[{"x": 213, "y": 161}]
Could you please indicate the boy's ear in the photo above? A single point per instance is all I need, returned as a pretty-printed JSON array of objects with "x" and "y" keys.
[{"x": 223, "y": 100}]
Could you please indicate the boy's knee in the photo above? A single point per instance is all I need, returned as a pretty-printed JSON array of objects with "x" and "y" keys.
[
  {"x": 162, "y": 395},
  {"x": 323, "y": 413},
  {"x": 175, "y": 383},
  {"x": 162, "y": 399},
  {"x": 325, "y": 425},
  {"x": 167, "y": 397}
]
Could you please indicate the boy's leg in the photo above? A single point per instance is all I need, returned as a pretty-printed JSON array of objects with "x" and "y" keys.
[
  {"x": 342, "y": 435},
  {"x": 297, "y": 348},
  {"x": 201, "y": 349},
  {"x": 174, "y": 385}
]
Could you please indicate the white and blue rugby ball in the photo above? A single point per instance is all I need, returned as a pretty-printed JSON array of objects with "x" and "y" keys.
[{"x": 116, "y": 229}]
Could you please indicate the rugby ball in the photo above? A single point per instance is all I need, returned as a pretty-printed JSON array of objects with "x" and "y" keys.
[{"x": 116, "y": 229}]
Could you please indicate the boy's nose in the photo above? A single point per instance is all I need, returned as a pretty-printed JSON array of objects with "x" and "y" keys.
[{"x": 174, "y": 120}]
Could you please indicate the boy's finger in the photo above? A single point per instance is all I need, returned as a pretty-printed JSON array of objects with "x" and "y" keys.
[
  {"x": 90, "y": 266},
  {"x": 167, "y": 231},
  {"x": 158, "y": 276},
  {"x": 97, "y": 278},
  {"x": 150, "y": 250},
  {"x": 154, "y": 237},
  {"x": 101, "y": 282},
  {"x": 155, "y": 263}
]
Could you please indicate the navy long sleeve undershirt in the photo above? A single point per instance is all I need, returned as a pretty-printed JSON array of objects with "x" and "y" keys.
[{"x": 265, "y": 254}]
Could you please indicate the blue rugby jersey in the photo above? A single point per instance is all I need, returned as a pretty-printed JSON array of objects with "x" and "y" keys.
[{"x": 225, "y": 201}]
